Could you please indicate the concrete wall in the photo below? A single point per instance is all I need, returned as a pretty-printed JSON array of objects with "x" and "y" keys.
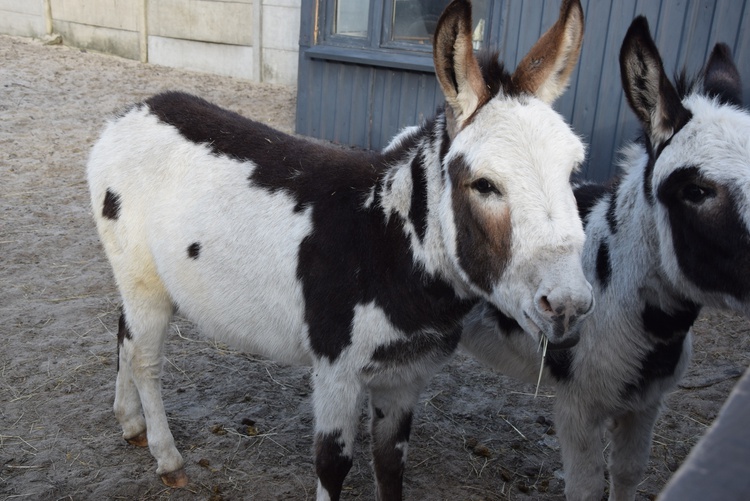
[
  {"x": 203, "y": 35},
  {"x": 280, "y": 40},
  {"x": 240, "y": 38},
  {"x": 109, "y": 26},
  {"x": 23, "y": 18}
]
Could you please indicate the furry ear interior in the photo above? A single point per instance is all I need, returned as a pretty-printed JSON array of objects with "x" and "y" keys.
[
  {"x": 456, "y": 68},
  {"x": 650, "y": 94},
  {"x": 545, "y": 70},
  {"x": 721, "y": 78}
]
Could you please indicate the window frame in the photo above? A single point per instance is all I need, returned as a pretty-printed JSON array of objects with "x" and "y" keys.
[
  {"x": 327, "y": 19},
  {"x": 386, "y": 31},
  {"x": 376, "y": 49}
]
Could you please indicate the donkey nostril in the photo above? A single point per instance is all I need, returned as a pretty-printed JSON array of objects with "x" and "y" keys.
[{"x": 544, "y": 304}]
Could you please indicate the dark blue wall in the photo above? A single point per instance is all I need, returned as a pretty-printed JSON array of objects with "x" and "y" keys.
[{"x": 359, "y": 99}]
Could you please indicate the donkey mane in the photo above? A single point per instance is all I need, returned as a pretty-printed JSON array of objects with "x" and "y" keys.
[
  {"x": 494, "y": 72},
  {"x": 686, "y": 84}
]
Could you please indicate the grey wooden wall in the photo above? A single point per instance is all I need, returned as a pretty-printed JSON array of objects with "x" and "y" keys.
[{"x": 364, "y": 105}]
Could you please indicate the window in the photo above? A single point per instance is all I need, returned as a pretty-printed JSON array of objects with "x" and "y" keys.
[
  {"x": 397, "y": 26},
  {"x": 351, "y": 18},
  {"x": 414, "y": 21}
]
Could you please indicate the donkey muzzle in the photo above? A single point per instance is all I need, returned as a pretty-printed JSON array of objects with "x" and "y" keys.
[{"x": 562, "y": 310}]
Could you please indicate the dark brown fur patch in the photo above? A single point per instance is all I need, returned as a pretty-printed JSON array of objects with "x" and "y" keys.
[
  {"x": 111, "y": 206},
  {"x": 712, "y": 246},
  {"x": 388, "y": 458},
  {"x": 587, "y": 196},
  {"x": 123, "y": 333},
  {"x": 194, "y": 250},
  {"x": 331, "y": 464},
  {"x": 483, "y": 240},
  {"x": 603, "y": 265},
  {"x": 495, "y": 76},
  {"x": 122, "y": 330}
]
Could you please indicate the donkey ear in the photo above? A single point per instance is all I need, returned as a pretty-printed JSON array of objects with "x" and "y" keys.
[
  {"x": 721, "y": 78},
  {"x": 456, "y": 67},
  {"x": 546, "y": 69},
  {"x": 651, "y": 95}
]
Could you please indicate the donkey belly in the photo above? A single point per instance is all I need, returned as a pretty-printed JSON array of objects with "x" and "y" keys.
[
  {"x": 237, "y": 279},
  {"x": 228, "y": 258}
]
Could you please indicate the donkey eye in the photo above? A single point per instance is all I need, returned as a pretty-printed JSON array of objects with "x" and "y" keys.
[
  {"x": 695, "y": 194},
  {"x": 484, "y": 187}
]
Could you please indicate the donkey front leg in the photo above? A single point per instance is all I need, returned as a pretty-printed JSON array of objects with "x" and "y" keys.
[
  {"x": 391, "y": 415},
  {"x": 580, "y": 436},
  {"x": 337, "y": 406},
  {"x": 631, "y": 443},
  {"x": 143, "y": 330}
]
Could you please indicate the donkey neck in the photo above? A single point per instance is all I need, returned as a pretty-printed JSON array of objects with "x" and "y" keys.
[{"x": 412, "y": 189}]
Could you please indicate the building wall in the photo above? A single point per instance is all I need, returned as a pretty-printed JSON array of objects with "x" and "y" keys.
[
  {"x": 345, "y": 98},
  {"x": 228, "y": 37}
]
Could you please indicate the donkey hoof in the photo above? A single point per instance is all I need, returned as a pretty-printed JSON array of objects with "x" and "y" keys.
[
  {"x": 139, "y": 440},
  {"x": 175, "y": 479}
]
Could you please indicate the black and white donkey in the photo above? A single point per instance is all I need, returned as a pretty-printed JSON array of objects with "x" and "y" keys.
[
  {"x": 360, "y": 264},
  {"x": 671, "y": 235}
]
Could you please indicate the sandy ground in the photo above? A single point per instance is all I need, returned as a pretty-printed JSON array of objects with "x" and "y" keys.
[{"x": 243, "y": 424}]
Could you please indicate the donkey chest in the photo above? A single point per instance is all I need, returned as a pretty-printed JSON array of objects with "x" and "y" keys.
[
  {"x": 408, "y": 357},
  {"x": 381, "y": 310},
  {"x": 629, "y": 370}
]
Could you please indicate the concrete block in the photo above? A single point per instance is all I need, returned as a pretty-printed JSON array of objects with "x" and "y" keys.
[
  {"x": 297, "y": 4},
  {"x": 35, "y": 8},
  {"x": 122, "y": 14},
  {"x": 280, "y": 66},
  {"x": 118, "y": 42},
  {"x": 202, "y": 20},
  {"x": 281, "y": 27},
  {"x": 22, "y": 25},
  {"x": 206, "y": 57}
]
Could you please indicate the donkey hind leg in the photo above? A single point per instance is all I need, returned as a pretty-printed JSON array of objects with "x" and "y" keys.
[
  {"x": 127, "y": 405},
  {"x": 631, "y": 443},
  {"x": 391, "y": 416},
  {"x": 337, "y": 403},
  {"x": 580, "y": 439},
  {"x": 141, "y": 356}
]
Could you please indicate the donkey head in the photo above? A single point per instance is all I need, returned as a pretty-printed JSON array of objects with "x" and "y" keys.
[
  {"x": 510, "y": 222},
  {"x": 697, "y": 175}
]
